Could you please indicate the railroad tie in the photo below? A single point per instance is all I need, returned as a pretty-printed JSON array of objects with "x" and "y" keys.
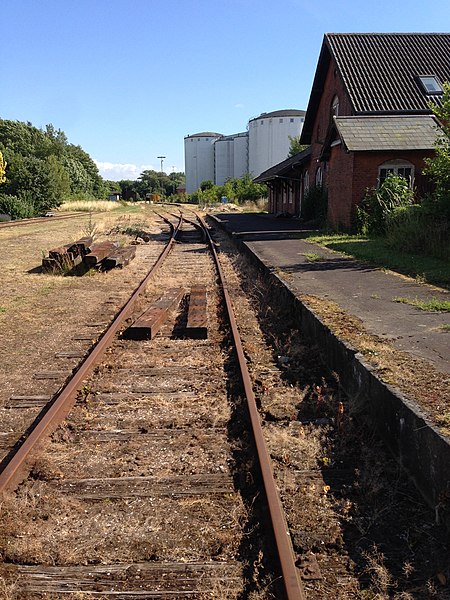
[
  {"x": 151, "y": 321},
  {"x": 99, "y": 252},
  {"x": 119, "y": 258},
  {"x": 197, "y": 321}
]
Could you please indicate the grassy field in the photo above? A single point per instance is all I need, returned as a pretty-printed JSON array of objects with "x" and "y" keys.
[{"x": 375, "y": 251}]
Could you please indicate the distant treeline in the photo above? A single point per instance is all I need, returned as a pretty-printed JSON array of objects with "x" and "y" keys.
[{"x": 43, "y": 170}]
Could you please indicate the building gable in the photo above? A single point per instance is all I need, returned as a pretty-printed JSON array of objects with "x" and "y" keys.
[{"x": 380, "y": 72}]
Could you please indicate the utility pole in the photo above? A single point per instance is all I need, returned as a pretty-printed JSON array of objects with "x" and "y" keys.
[{"x": 162, "y": 160}]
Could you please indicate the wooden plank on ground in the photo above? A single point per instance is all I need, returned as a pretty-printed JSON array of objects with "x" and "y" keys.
[
  {"x": 149, "y": 323},
  {"x": 132, "y": 487},
  {"x": 82, "y": 246},
  {"x": 154, "y": 579},
  {"x": 27, "y": 401},
  {"x": 197, "y": 322},
  {"x": 120, "y": 258},
  {"x": 99, "y": 252}
]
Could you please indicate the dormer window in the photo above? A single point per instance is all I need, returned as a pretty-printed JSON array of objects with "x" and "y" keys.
[{"x": 430, "y": 84}]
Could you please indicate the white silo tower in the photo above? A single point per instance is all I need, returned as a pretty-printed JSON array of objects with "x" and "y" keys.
[
  {"x": 224, "y": 158},
  {"x": 268, "y": 138},
  {"x": 240, "y": 166},
  {"x": 199, "y": 158},
  {"x": 231, "y": 156}
]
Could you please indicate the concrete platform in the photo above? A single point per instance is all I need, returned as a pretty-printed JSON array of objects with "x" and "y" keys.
[{"x": 362, "y": 291}]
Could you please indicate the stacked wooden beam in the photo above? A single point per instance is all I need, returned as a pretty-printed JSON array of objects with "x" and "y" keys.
[
  {"x": 120, "y": 257},
  {"x": 103, "y": 255},
  {"x": 67, "y": 257},
  {"x": 99, "y": 252},
  {"x": 151, "y": 321}
]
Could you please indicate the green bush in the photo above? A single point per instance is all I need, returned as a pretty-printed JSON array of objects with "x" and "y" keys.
[
  {"x": 417, "y": 230},
  {"x": 378, "y": 203},
  {"x": 18, "y": 207},
  {"x": 315, "y": 204}
]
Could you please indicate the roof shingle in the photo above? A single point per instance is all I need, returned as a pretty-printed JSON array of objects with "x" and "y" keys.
[{"x": 388, "y": 132}]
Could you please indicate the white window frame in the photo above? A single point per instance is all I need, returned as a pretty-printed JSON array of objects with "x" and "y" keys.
[
  {"x": 319, "y": 176},
  {"x": 397, "y": 167}
]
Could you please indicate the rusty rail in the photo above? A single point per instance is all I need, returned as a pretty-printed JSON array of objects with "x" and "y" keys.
[
  {"x": 14, "y": 466},
  {"x": 40, "y": 220},
  {"x": 291, "y": 577}
]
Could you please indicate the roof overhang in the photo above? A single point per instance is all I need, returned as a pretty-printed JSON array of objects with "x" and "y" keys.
[
  {"x": 383, "y": 133},
  {"x": 284, "y": 168}
]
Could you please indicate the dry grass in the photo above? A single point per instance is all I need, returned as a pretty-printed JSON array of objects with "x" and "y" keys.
[
  {"x": 89, "y": 206},
  {"x": 41, "y": 527},
  {"x": 397, "y": 368}
]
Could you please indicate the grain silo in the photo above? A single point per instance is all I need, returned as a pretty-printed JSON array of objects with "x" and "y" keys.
[
  {"x": 231, "y": 157},
  {"x": 268, "y": 138},
  {"x": 199, "y": 158}
]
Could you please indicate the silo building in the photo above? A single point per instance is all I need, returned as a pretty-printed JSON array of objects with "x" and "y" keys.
[
  {"x": 199, "y": 158},
  {"x": 268, "y": 138},
  {"x": 217, "y": 157},
  {"x": 231, "y": 157}
]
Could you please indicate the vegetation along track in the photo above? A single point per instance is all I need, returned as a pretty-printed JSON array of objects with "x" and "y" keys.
[{"x": 150, "y": 487}]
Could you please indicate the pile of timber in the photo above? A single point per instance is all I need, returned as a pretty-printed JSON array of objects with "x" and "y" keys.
[
  {"x": 65, "y": 258},
  {"x": 103, "y": 255}
]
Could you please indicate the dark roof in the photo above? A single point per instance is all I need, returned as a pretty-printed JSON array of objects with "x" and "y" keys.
[
  {"x": 284, "y": 167},
  {"x": 404, "y": 132},
  {"x": 380, "y": 71},
  {"x": 289, "y": 112}
]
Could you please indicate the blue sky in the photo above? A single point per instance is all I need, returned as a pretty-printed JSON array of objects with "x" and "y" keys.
[{"x": 128, "y": 79}]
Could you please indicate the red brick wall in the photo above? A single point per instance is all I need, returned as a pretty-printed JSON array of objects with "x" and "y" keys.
[
  {"x": 333, "y": 86},
  {"x": 350, "y": 174},
  {"x": 340, "y": 187}
]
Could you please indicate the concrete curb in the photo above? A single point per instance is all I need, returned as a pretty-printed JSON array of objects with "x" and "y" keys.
[{"x": 413, "y": 439}]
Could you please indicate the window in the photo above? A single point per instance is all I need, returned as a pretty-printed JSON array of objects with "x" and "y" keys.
[
  {"x": 397, "y": 167},
  {"x": 319, "y": 176},
  {"x": 292, "y": 120},
  {"x": 305, "y": 183},
  {"x": 281, "y": 120},
  {"x": 335, "y": 107},
  {"x": 430, "y": 84}
]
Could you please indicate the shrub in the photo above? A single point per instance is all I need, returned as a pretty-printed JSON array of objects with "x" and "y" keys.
[
  {"x": 315, "y": 204},
  {"x": 18, "y": 207},
  {"x": 415, "y": 229},
  {"x": 378, "y": 203}
]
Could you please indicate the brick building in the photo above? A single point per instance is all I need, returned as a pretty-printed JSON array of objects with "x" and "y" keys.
[{"x": 368, "y": 114}]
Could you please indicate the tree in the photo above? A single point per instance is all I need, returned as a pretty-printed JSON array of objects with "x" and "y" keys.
[
  {"x": 44, "y": 168},
  {"x": 2, "y": 169},
  {"x": 295, "y": 146},
  {"x": 438, "y": 167}
]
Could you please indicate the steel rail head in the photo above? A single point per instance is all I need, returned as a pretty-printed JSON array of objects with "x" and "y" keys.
[
  {"x": 291, "y": 576},
  {"x": 13, "y": 467}
]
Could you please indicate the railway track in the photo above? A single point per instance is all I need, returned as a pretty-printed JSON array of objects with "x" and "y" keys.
[
  {"x": 40, "y": 220},
  {"x": 143, "y": 491}
]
